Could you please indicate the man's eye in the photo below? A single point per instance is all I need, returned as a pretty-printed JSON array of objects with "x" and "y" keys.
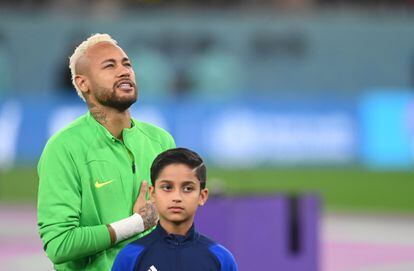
[
  {"x": 108, "y": 66},
  {"x": 128, "y": 64}
]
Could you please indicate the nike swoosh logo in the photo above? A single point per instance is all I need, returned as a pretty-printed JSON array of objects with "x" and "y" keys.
[{"x": 99, "y": 185}]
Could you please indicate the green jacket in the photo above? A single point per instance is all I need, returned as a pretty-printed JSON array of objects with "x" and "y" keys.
[{"x": 87, "y": 179}]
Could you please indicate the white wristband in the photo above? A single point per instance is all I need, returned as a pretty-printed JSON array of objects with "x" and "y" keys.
[{"x": 128, "y": 227}]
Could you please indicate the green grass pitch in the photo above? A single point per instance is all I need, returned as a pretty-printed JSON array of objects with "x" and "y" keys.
[{"x": 348, "y": 189}]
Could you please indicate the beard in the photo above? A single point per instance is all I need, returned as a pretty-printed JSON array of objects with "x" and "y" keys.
[{"x": 110, "y": 98}]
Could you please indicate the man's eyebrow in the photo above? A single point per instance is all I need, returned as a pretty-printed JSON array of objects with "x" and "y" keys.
[
  {"x": 111, "y": 60},
  {"x": 108, "y": 60}
]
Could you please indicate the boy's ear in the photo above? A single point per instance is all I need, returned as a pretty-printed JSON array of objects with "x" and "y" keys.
[
  {"x": 151, "y": 192},
  {"x": 202, "y": 199}
]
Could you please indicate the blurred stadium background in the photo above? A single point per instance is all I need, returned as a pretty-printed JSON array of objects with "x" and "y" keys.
[{"x": 280, "y": 96}]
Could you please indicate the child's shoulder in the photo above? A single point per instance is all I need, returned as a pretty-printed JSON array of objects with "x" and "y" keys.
[
  {"x": 204, "y": 240},
  {"x": 140, "y": 244},
  {"x": 224, "y": 255},
  {"x": 127, "y": 257},
  {"x": 214, "y": 247},
  {"x": 147, "y": 240}
]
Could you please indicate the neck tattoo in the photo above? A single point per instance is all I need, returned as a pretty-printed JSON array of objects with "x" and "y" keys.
[{"x": 98, "y": 114}]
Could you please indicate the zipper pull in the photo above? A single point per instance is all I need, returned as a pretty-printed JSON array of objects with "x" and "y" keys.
[{"x": 133, "y": 167}]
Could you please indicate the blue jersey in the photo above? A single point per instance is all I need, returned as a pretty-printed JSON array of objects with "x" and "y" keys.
[{"x": 160, "y": 251}]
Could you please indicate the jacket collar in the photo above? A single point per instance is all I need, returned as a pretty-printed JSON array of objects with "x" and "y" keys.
[
  {"x": 176, "y": 239},
  {"x": 105, "y": 132}
]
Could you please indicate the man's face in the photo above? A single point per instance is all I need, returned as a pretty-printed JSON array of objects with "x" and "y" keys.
[
  {"x": 177, "y": 194},
  {"x": 109, "y": 77}
]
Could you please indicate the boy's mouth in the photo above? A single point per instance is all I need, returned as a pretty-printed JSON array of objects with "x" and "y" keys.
[{"x": 176, "y": 209}]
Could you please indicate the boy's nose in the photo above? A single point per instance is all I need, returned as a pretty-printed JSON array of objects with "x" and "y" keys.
[{"x": 177, "y": 197}]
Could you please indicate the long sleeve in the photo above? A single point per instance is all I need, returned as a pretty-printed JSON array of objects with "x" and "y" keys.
[
  {"x": 59, "y": 209},
  {"x": 224, "y": 256}
]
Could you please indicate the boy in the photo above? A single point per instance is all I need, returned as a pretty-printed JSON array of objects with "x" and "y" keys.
[{"x": 178, "y": 188}]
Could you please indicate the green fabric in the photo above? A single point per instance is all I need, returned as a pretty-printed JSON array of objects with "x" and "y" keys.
[{"x": 72, "y": 210}]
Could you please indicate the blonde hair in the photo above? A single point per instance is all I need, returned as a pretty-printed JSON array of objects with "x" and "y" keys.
[{"x": 81, "y": 50}]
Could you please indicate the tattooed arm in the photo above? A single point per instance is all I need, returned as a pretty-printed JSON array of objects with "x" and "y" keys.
[
  {"x": 145, "y": 209},
  {"x": 149, "y": 215},
  {"x": 144, "y": 216}
]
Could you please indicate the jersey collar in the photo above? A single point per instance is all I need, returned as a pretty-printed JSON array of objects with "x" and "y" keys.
[{"x": 107, "y": 134}]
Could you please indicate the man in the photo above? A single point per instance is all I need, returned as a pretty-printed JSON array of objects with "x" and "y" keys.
[
  {"x": 178, "y": 188},
  {"x": 91, "y": 171}
]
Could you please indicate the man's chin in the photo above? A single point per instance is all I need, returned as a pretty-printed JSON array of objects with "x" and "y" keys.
[{"x": 121, "y": 104}]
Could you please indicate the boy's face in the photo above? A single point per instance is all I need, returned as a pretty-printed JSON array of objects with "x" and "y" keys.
[{"x": 177, "y": 194}]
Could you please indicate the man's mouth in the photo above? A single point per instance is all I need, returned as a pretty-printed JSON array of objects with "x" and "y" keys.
[{"x": 126, "y": 85}]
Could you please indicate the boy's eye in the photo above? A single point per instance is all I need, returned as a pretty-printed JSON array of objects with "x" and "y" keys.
[
  {"x": 166, "y": 187},
  {"x": 188, "y": 188}
]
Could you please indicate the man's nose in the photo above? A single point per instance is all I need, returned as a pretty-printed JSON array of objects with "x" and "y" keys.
[{"x": 124, "y": 72}]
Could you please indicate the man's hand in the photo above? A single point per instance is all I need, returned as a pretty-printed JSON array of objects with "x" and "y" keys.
[{"x": 144, "y": 208}]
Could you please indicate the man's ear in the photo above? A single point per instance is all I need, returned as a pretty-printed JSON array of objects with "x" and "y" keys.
[
  {"x": 202, "y": 199},
  {"x": 82, "y": 83}
]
